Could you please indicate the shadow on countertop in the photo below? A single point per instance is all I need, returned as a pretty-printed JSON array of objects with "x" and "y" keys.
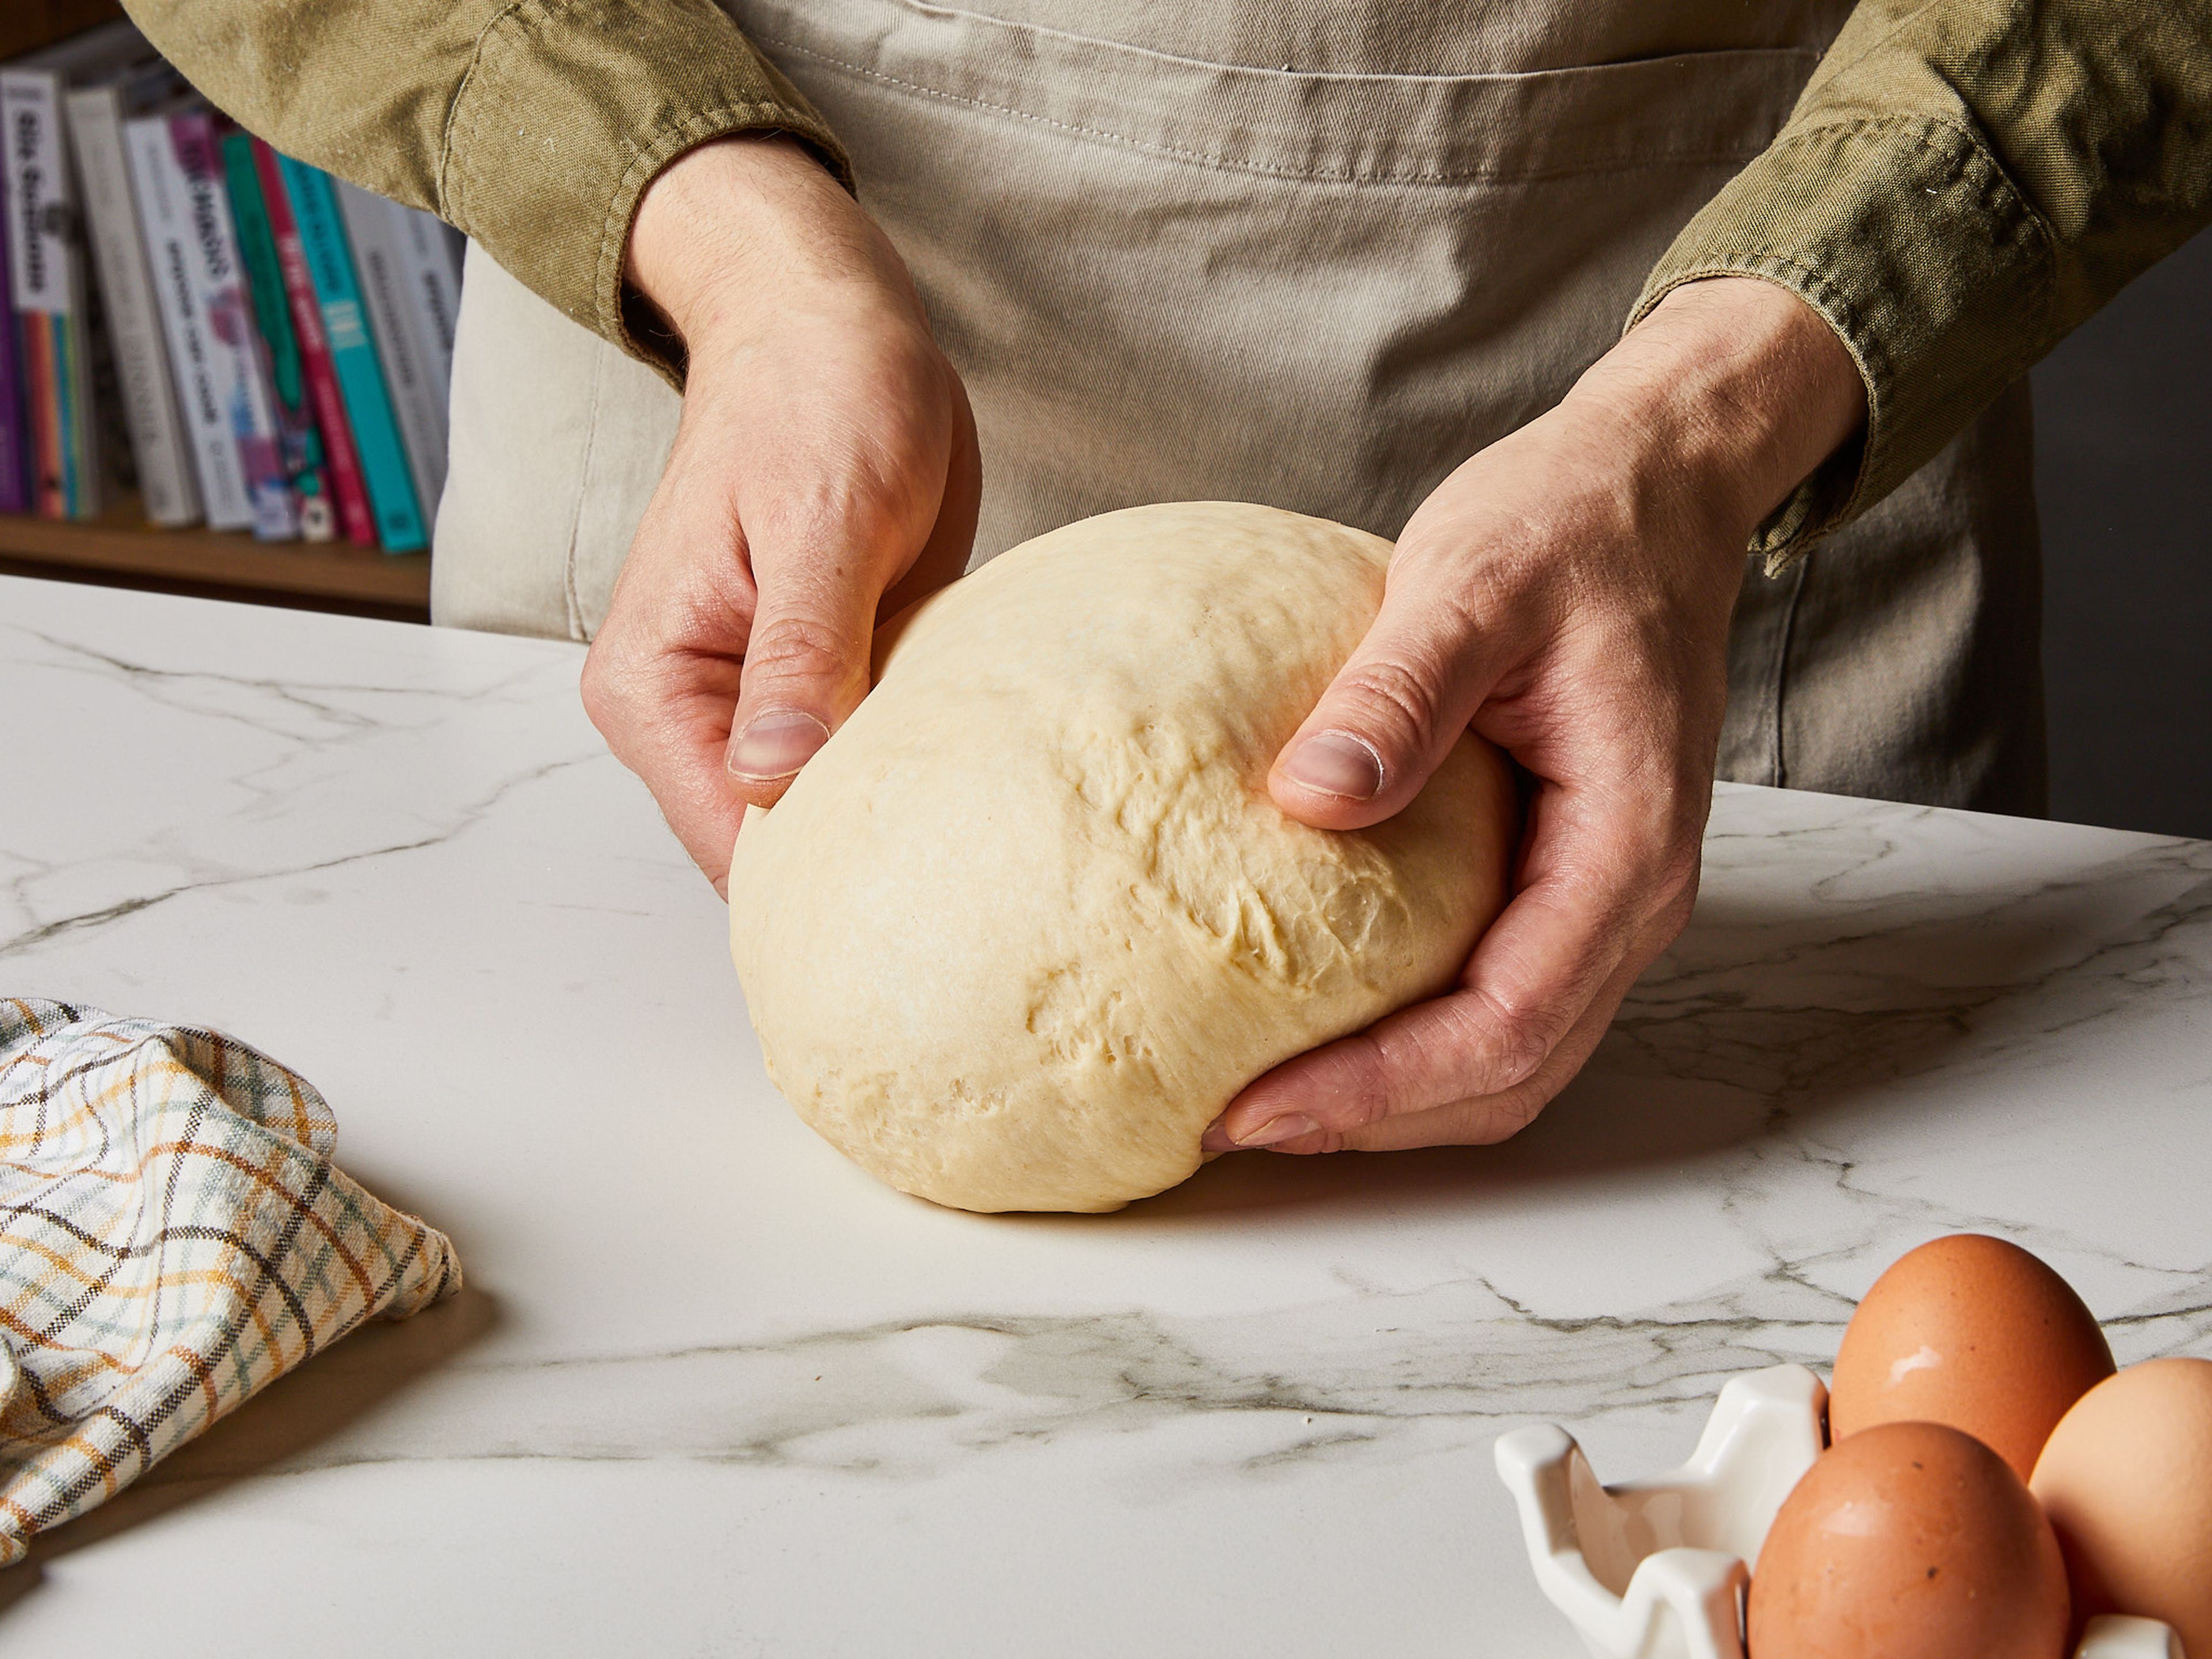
[
  {"x": 1763, "y": 1018},
  {"x": 292, "y": 1417}
]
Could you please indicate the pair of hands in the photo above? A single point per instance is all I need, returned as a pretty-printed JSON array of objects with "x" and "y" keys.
[{"x": 1566, "y": 593}]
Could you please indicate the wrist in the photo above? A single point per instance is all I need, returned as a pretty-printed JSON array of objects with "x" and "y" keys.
[
  {"x": 1736, "y": 386},
  {"x": 737, "y": 227}
]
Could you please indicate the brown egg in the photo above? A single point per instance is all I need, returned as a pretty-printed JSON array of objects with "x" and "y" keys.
[
  {"x": 2127, "y": 1481},
  {"x": 1972, "y": 1332},
  {"x": 1909, "y": 1540}
]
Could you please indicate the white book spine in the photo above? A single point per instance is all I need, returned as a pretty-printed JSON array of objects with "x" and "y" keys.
[
  {"x": 166, "y": 481},
  {"x": 165, "y": 214},
  {"x": 429, "y": 253},
  {"x": 430, "y": 261},
  {"x": 40, "y": 256},
  {"x": 46, "y": 267},
  {"x": 418, "y": 394}
]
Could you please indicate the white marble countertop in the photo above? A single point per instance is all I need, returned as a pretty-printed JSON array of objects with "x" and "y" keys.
[{"x": 712, "y": 1391}]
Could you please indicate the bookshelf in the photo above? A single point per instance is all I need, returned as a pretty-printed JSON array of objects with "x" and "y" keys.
[
  {"x": 119, "y": 547},
  {"x": 27, "y": 25}
]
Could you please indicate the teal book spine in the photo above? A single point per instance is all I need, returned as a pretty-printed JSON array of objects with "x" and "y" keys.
[
  {"x": 314, "y": 205},
  {"x": 299, "y": 446}
]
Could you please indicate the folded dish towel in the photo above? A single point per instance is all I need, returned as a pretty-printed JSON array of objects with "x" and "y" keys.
[{"x": 173, "y": 1237}]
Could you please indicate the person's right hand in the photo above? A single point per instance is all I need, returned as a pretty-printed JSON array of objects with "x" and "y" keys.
[{"x": 825, "y": 475}]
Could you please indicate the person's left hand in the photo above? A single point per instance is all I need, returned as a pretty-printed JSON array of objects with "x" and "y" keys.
[{"x": 1565, "y": 593}]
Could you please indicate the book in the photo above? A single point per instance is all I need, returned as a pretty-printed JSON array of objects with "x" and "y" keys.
[
  {"x": 16, "y": 492},
  {"x": 248, "y": 400},
  {"x": 199, "y": 362},
  {"x": 430, "y": 262},
  {"x": 347, "y": 488},
  {"x": 431, "y": 250},
  {"x": 299, "y": 445},
  {"x": 52, "y": 307},
  {"x": 390, "y": 251},
  {"x": 147, "y": 390},
  {"x": 321, "y": 225}
]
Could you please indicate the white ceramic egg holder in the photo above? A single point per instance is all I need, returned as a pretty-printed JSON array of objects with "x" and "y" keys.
[{"x": 1656, "y": 1569}]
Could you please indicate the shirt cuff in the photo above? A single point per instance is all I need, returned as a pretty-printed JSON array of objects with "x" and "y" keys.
[
  {"x": 569, "y": 111},
  {"x": 1933, "y": 270}
]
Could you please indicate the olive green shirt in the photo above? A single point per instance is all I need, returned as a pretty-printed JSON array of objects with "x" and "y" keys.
[{"x": 1961, "y": 183}]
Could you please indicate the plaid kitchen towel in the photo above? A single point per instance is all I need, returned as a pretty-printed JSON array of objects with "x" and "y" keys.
[{"x": 173, "y": 1237}]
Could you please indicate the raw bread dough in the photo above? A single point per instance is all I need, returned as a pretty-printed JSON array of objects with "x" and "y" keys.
[{"x": 1029, "y": 921}]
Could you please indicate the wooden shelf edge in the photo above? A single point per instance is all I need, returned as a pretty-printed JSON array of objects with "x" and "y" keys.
[
  {"x": 223, "y": 559},
  {"x": 29, "y": 25}
]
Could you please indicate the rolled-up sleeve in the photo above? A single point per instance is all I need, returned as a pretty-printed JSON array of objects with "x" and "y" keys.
[
  {"x": 534, "y": 125},
  {"x": 1961, "y": 184}
]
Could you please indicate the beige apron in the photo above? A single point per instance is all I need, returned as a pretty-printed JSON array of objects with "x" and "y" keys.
[{"x": 1312, "y": 254}]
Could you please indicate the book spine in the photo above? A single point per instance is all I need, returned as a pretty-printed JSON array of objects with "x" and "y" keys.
[
  {"x": 368, "y": 405},
  {"x": 148, "y": 397},
  {"x": 43, "y": 265},
  {"x": 430, "y": 256},
  {"x": 347, "y": 488},
  {"x": 164, "y": 215},
  {"x": 246, "y": 399},
  {"x": 418, "y": 404},
  {"x": 42, "y": 400},
  {"x": 71, "y": 442},
  {"x": 15, "y": 436},
  {"x": 113, "y": 468},
  {"x": 299, "y": 445}
]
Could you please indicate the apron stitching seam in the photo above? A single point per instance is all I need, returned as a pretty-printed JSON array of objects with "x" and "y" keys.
[
  {"x": 1415, "y": 77},
  {"x": 1230, "y": 165}
]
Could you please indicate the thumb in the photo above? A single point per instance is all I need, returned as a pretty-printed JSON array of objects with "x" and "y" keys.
[
  {"x": 1387, "y": 719},
  {"x": 805, "y": 670}
]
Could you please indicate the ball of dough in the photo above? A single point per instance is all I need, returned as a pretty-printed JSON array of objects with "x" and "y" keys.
[{"x": 1029, "y": 919}]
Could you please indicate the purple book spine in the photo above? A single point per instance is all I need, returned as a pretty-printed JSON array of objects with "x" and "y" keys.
[{"x": 14, "y": 450}]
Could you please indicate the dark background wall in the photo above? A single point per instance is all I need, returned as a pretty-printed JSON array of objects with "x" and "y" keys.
[{"x": 2124, "y": 477}]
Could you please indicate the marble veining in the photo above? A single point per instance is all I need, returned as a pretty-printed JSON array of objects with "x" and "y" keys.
[{"x": 711, "y": 1390}]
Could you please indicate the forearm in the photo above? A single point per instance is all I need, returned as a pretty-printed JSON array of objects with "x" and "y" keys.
[
  {"x": 1962, "y": 183},
  {"x": 533, "y": 127}
]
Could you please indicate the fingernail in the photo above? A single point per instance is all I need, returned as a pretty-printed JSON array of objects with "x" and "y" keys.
[
  {"x": 1336, "y": 763},
  {"x": 775, "y": 745},
  {"x": 1289, "y": 1126}
]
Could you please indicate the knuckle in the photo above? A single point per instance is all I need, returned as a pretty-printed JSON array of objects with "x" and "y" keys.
[
  {"x": 1668, "y": 925},
  {"x": 1402, "y": 699},
  {"x": 1370, "y": 1095},
  {"x": 596, "y": 695},
  {"x": 1515, "y": 1110},
  {"x": 795, "y": 647},
  {"x": 1516, "y": 1038},
  {"x": 1320, "y": 1141},
  {"x": 1357, "y": 1086},
  {"x": 1649, "y": 853},
  {"x": 1677, "y": 905},
  {"x": 1676, "y": 876},
  {"x": 604, "y": 686}
]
